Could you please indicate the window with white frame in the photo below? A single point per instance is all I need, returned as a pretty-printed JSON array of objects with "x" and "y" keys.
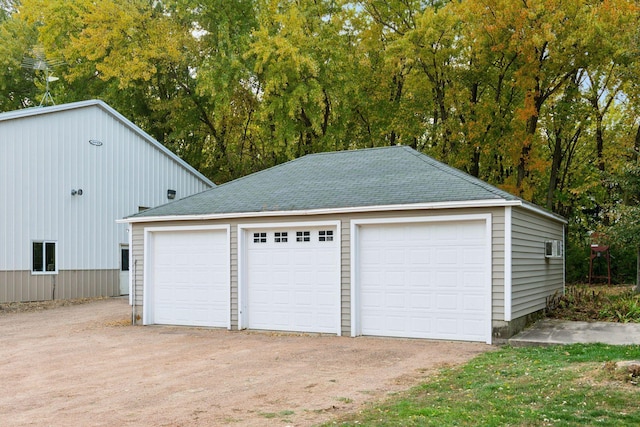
[
  {"x": 259, "y": 237},
  {"x": 325, "y": 236},
  {"x": 553, "y": 249},
  {"x": 303, "y": 236},
  {"x": 281, "y": 237},
  {"x": 43, "y": 256}
]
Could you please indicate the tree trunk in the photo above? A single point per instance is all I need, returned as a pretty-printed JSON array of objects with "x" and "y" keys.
[
  {"x": 523, "y": 163},
  {"x": 636, "y": 146},
  {"x": 599, "y": 142},
  {"x": 555, "y": 171}
]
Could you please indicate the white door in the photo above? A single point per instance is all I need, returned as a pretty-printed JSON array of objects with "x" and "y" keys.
[
  {"x": 189, "y": 278},
  {"x": 124, "y": 270},
  {"x": 425, "y": 280},
  {"x": 293, "y": 279}
]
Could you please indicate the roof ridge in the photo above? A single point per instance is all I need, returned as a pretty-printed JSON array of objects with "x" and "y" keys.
[
  {"x": 350, "y": 150},
  {"x": 323, "y": 153}
]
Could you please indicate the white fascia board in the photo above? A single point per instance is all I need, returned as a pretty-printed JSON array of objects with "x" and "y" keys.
[
  {"x": 543, "y": 212},
  {"x": 347, "y": 210},
  {"x": 36, "y": 111}
]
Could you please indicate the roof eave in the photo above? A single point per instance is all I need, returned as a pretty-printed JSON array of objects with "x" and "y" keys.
[
  {"x": 490, "y": 203},
  {"x": 543, "y": 212}
]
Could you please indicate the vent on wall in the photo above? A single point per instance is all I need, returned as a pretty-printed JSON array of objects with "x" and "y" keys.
[{"x": 553, "y": 249}]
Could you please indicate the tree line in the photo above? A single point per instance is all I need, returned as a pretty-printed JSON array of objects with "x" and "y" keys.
[{"x": 538, "y": 97}]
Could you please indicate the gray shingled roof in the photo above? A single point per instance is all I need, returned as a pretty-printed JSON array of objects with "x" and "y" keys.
[{"x": 343, "y": 179}]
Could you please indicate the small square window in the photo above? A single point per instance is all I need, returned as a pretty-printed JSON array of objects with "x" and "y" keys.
[
  {"x": 325, "y": 235},
  {"x": 281, "y": 237},
  {"x": 259, "y": 237},
  {"x": 44, "y": 257},
  {"x": 303, "y": 236}
]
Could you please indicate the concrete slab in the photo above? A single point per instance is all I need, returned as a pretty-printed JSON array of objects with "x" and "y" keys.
[{"x": 553, "y": 332}]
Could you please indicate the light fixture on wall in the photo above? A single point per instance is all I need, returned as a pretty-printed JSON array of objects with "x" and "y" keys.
[
  {"x": 95, "y": 142},
  {"x": 77, "y": 192},
  {"x": 171, "y": 194}
]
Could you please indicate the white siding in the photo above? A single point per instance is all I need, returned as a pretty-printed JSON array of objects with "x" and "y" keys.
[
  {"x": 534, "y": 277},
  {"x": 44, "y": 156}
]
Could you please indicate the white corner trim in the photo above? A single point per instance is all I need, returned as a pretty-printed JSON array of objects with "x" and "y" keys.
[
  {"x": 243, "y": 229},
  {"x": 356, "y": 327},
  {"x": 147, "y": 300},
  {"x": 356, "y": 330},
  {"x": 489, "y": 261},
  {"x": 345, "y": 210},
  {"x": 132, "y": 285},
  {"x": 508, "y": 261}
]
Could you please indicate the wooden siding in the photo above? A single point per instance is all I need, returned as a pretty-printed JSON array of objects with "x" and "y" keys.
[
  {"x": 44, "y": 157},
  {"x": 534, "y": 277},
  {"x": 69, "y": 284},
  {"x": 345, "y": 256}
]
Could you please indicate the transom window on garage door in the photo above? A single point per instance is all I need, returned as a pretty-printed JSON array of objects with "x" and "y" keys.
[
  {"x": 325, "y": 236},
  {"x": 303, "y": 236},
  {"x": 281, "y": 237}
]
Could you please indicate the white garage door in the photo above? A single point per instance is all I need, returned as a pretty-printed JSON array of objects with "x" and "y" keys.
[
  {"x": 425, "y": 280},
  {"x": 189, "y": 278},
  {"x": 293, "y": 280}
]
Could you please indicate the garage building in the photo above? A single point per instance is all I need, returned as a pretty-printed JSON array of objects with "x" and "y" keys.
[
  {"x": 68, "y": 172},
  {"x": 382, "y": 242}
]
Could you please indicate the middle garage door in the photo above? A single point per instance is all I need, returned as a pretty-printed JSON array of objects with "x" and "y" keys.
[{"x": 293, "y": 279}]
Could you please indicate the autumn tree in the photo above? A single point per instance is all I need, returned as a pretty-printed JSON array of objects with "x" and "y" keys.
[{"x": 18, "y": 84}]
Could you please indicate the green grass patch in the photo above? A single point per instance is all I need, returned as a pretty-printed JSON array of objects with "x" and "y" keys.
[
  {"x": 281, "y": 414},
  {"x": 533, "y": 386}
]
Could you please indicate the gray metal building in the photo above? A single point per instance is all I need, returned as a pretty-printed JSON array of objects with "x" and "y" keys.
[{"x": 67, "y": 173}]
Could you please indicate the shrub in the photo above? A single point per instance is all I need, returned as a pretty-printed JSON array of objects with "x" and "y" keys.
[{"x": 603, "y": 303}]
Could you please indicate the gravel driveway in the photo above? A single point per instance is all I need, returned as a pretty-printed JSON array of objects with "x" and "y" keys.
[{"x": 85, "y": 365}]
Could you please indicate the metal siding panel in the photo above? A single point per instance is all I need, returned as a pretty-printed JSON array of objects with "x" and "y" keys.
[{"x": 43, "y": 157}]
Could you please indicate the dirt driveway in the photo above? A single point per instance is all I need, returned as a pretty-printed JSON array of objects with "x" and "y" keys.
[{"x": 84, "y": 365}]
